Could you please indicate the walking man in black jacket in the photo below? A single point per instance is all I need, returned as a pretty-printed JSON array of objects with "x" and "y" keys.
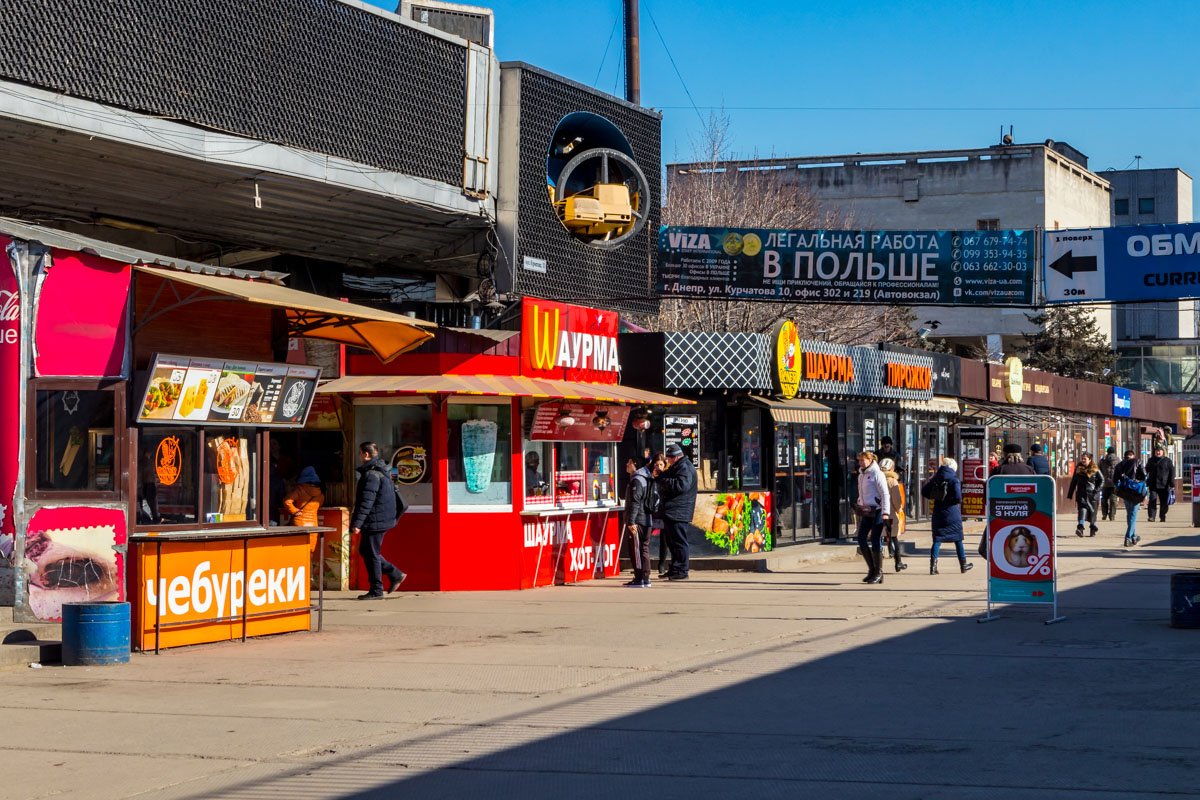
[
  {"x": 374, "y": 515},
  {"x": 1108, "y": 502},
  {"x": 1160, "y": 479},
  {"x": 677, "y": 488}
]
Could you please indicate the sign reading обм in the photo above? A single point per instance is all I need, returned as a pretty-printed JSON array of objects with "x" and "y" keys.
[
  {"x": 986, "y": 268},
  {"x": 1134, "y": 262}
]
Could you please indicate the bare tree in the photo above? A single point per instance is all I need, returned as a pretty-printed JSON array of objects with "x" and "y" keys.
[{"x": 714, "y": 197}]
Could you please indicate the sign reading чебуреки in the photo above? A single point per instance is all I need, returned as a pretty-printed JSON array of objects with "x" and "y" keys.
[{"x": 992, "y": 268}]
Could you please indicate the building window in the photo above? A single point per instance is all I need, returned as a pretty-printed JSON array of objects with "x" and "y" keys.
[
  {"x": 1145, "y": 205},
  {"x": 987, "y": 224},
  {"x": 202, "y": 477},
  {"x": 76, "y": 438},
  {"x": 404, "y": 433},
  {"x": 1121, "y": 207}
]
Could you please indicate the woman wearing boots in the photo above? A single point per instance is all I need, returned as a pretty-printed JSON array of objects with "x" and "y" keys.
[
  {"x": 1086, "y": 485},
  {"x": 945, "y": 491},
  {"x": 895, "y": 524},
  {"x": 874, "y": 508}
]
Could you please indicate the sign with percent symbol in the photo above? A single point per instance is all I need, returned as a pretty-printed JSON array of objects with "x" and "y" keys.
[{"x": 1022, "y": 559}]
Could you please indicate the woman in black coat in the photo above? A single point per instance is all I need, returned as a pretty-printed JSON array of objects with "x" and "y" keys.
[
  {"x": 1086, "y": 485},
  {"x": 947, "y": 513}
]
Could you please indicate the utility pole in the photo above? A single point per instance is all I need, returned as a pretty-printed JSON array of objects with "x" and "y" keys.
[{"x": 633, "y": 60}]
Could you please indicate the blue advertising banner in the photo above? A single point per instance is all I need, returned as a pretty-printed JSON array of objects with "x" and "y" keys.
[
  {"x": 1133, "y": 262},
  {"x": 985, "y": 268},
  {"x": 1122, "y": 402}
]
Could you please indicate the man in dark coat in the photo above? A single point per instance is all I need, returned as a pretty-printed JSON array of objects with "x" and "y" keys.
[
  {"x": 677, "y": 488},
  {"x": 641, "y": 504},
  {"x": 1012, "y": 464},
  {"x": 945, "y": 490},
  {"x": 1160, "y": 479},
  {"x": 1108, "y": 501},
  {"x": 887, "y": 449},
  {"x": 1039, "y": 463},
  {"x": 374, "y": 515}
]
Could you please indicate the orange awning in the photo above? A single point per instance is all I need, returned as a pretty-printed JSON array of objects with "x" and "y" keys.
[
  {"x": 496, "y": 386},
  {"x": 385, "y": 334}
]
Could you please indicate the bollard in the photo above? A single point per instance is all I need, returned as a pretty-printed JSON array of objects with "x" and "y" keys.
[
  {"x": 1185, "y": 600},
  {"x": 95, "y": 634}
]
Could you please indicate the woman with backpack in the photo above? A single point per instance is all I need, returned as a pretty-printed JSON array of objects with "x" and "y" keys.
[
  {"x": 1086, "y": 485},
  {"x": 1129, "y": 478},
  {"x": 945, "y": 490},
  {"x": 895, "y": 524}
]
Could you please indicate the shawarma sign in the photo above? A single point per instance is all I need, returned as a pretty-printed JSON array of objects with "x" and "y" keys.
[{"x": 565, "y": 342}]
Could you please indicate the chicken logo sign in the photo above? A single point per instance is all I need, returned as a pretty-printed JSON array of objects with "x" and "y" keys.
[
  {"x": 168, "y": 461},
  {"x": 787, "y": 359},
  {"x": 565, "y": 342}
]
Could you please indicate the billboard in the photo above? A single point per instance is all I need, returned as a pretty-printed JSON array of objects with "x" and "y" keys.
[
  {"x": 984, "y": 268},
  {"x": 1019, "y": 537},
  {"x": 1128, "y": 263}
]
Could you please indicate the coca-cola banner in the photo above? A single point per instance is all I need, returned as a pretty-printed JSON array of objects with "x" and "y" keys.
[{"x": 10, "y": 393}]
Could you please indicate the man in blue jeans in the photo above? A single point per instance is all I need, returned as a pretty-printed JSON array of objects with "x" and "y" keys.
[{"x": 1133, "y": 468}]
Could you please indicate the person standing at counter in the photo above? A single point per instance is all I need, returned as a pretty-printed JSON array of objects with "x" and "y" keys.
[
  {"x": 305, "y": 499},
  {"x": 375, "y": 514},
  {"x": 677, "y": 487}
]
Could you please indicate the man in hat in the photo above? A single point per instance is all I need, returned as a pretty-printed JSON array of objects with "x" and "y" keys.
[
  {"x": 887, "y": 449},
  {"x": 1039, "y": 462},
  {"x": 677, "y": 489},
  {"x": 1013, "y": 464}
]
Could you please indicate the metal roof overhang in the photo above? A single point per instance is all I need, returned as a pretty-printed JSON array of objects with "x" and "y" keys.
[
  {"x": 76, "y": 162},
  {"x": 1014, "y": 416},
  {"x": 798, "y": 410},
  {"x": 496, "y": 386},
  {"x": 385, "y": 334}
]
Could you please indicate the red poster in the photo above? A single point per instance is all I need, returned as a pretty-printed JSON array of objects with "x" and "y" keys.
[
  {"x": 974, "y": 482},
  {"x": 74, "y": 555},
  {"x": 579, "y": 422},
  {"x": 565, "y": 342},
  {"x": 81, "y": 317},
  {"x": 10, "y": 395}
]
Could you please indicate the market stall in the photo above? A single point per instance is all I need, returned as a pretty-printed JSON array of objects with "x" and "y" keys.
[
  {"x": 138, "y": 396},
  {"x": 504, "y": 444}
]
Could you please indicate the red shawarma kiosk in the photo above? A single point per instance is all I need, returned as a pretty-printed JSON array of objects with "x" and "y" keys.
[
  {"x": 137, "y": 398},
  {"x": 504, "y": 445}
]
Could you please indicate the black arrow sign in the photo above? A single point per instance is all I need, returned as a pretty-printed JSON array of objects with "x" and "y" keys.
[{"x": 1068, "y": 264}]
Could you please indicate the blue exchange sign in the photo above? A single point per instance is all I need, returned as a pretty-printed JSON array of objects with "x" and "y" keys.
[{"x": 1133, "y": 262}]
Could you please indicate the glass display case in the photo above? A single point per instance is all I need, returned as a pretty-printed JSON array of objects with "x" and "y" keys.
[{"x": 570, "y": 475}]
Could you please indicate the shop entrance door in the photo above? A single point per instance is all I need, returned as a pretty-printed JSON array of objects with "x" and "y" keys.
[{"x": 798, "y": 497}]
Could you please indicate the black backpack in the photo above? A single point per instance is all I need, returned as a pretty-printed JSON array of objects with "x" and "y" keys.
[
  {"x": 939, "y": 491},
  {"x": 651, "y": 500}
]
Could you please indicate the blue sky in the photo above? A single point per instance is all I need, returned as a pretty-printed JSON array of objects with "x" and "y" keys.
[{"x": 1114, "y": 79}]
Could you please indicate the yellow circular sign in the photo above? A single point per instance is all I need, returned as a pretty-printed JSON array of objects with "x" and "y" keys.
[
  {"x": 787, "y": 359},
  {"x": 1014, "y": 379},
  {"x": 751, "y": 244}
]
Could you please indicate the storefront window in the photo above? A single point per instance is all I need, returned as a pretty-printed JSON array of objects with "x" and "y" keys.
[
  {"x": 168, "y": 487},
  {"x": 231, "y": 475},
  {"x": 751, "y": 448},
  {"x": 480, "y": 465},
  {"x": 75, "y": 441},
  {"x": 404, "y": 433},
  {"x": 601, "y": 472},
  {"x": 539, "y": 474}
]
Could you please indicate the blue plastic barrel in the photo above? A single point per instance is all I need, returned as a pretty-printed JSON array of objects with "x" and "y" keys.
[{"x": 95, "y": 634}]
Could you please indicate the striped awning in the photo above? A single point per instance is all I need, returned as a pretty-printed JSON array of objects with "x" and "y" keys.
[
  {"x": 799, "y": 410},
  {"x": 496, "y": 386}
]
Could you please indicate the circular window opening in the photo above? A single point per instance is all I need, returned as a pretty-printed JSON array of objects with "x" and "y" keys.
[{"x": 597, "y": 189}]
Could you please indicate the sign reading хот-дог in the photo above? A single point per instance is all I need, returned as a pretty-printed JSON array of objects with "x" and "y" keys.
[{"x": 992, "y": 268}]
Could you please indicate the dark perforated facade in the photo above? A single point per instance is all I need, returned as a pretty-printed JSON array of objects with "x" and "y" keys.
[
  {"x": 314, "y": 74},
  {"x": 620, "y": 279}
]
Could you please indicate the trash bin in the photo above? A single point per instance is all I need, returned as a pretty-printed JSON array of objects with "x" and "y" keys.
[
  {"x": 95, "y": 634},
  {"x": 1185, "y": 600}
]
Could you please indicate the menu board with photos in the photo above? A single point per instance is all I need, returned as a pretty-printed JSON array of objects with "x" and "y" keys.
[
  {"x": 683, "y": 430},
  {"x": 210, "y": 392}
]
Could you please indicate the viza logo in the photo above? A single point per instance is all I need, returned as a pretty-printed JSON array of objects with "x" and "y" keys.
[{"x": 681, "y": 240}]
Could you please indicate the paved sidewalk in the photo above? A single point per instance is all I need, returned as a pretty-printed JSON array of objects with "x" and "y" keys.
[{"x": 800, "y": 682}]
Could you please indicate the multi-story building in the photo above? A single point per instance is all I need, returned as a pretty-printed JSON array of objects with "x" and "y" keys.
[
  {"x": 1040, "y": 186},
  {"x": 1158, "y": 343}
]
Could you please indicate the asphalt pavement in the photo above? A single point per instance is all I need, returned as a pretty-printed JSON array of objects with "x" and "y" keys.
[{"x": 799, "y": 682}]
